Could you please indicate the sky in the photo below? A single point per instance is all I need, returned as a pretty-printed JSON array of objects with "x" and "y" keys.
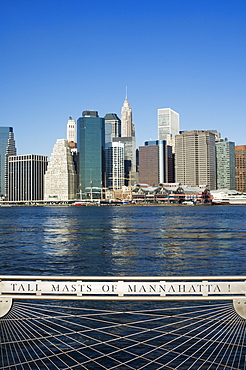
[{"x": 61, "y": 57}]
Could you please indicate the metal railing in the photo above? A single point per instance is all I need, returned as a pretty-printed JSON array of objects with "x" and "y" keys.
[{"x": 204, "y": 326}]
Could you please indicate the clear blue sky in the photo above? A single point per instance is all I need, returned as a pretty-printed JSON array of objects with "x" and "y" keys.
[{"x": 60, "y": 57}]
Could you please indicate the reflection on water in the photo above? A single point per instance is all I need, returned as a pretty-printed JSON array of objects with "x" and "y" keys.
[{"x": 123, "y": 240}]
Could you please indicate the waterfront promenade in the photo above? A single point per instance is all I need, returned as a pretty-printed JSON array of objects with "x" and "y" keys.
[{"x": 125, "y": 241}]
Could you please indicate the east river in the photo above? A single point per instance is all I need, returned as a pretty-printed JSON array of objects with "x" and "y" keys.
[{"x": 125, "y": 240}]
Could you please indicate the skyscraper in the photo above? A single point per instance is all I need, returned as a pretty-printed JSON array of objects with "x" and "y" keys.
[
  {"x": 112, "y": 127},
  {"x": 240, "y": 153},
  {"x": 72, "y": 135},
  {"x": 155, "y": 163},
  {"x": 225, "y": 164},
  {"x": 114, "y": 165},
  {"x": 71, "y": 130},
  {"x": 129, "y": 140},
  {"x": 60, "y": 177},
  {"x": 127, "y": 125},
  {"x": 130, "y": 166},
  {"x": 195, "y": 159},
  {"x": 7, "y": 148},
  {"x": 91, "y": 142},
  {"x": 168, "y": 126},
  {"x": 26, "y": 177}
]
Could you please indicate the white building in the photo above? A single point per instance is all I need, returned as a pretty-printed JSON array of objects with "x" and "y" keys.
[
  {"x": 60, "y": 177},
  {"x": 72, "y": 134},
  {"x": 168, "y": 126},
  {"x": 114, "y": 160}
]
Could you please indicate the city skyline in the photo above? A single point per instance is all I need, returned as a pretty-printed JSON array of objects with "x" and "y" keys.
[{"x": 61, "y": 58}]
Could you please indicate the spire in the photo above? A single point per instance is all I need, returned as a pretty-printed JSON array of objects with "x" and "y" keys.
[
  {"x": 127, "y": 127},
  {"x": 126, "y": 101}
]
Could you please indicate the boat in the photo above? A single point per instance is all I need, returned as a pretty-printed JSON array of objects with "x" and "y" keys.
[
  {"x": 228, "y": 197},
  {"x": 188, "y": 203},
  {"x": 237, "y": 199}
]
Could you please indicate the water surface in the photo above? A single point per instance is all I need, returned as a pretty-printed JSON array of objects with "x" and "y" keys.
[{"x": 135, "y": 240}]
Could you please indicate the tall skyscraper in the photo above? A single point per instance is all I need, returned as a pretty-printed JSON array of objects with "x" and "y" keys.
[
  {"x": 7, "y": 148},
  {"x": 91, "y": 143},
  {"x": 26, "y": 177},
  {"x": 240, "y": 153},
  {"x": 112, "y": 127},
  {"x": 60, "y": 177},
  {"x": 72, "y": 134},
  {"x": 114, "y": 164},
  {"x": 71, "y": 130},
  {"x": 155, "y": 163},
  {"x": 195, "y": 159},
  {"x": 130, "y": 166},
  {"x": 127, "y": 125},
  {"x": 225, "y": 163},
  {"x": 168, "y": 126},
  {"x": 129, "y": 140}
]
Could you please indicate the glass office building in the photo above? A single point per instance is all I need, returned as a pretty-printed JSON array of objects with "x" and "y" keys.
[
  {"x": 7, "y": 148},
  {"x": 91, "y": 142},
  {"x": 112, "y": 127},
  {"x": 225, "y": 161}
]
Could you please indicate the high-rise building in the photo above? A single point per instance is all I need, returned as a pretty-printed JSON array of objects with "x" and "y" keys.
[
  {"x": 60, "y": 177},
  {"x": 240, "y": 154},
  {"x": 155, "y": 163},
  {"x": 71, "y": 130},
  {"x": 130, "y": 166},
  {"x": 7, "y": 148},
  {"x": 72, "y": 134},
  {"x": 225, "y": 163},
  {"x": 91, "y": 142},
  {"x": 26, "y": 177},
  {"x": 195, "y": 159},
  {"x": 127, "y": 125},
  {"x": 112, "y": 127},
  {"x": 168, "y": 126},
  {"x": 129, "y": 140},
  {"x": 114, "y": 164}
]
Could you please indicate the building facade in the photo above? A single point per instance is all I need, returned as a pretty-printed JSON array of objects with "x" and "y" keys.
[
  {"x": 112, "y": 127},
  {"x": 240, "y": 154},
  {"x": 155, "y": 163},
  {"x": 114, "y": 165},
  {"x": 71, "y": 130},
  {"x": 129, "y": 141},
  {"x": 7, "y": 148},
  {"x": 91, "y": 143},
  {"x": 225, "y": 164},
  {"x": 72, "y": 134},
  {"x": 26, "y": 177},
  {"x": 127, "y": 125},
  {"x": 195, "y": 158},
  {"x": 60, "y": 177},
  {"x": 168, "y": 126},
  {"x": 130, "y": 165}
]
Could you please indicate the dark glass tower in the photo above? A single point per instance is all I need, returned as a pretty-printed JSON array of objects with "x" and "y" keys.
[
  {"x": 91, "y": 142},
  {"x": 7, "y": 148},
  {"x": 112, "y": 127}
]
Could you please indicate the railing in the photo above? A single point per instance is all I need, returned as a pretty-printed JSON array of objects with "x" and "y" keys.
[{"x": 202, "y": 328}]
